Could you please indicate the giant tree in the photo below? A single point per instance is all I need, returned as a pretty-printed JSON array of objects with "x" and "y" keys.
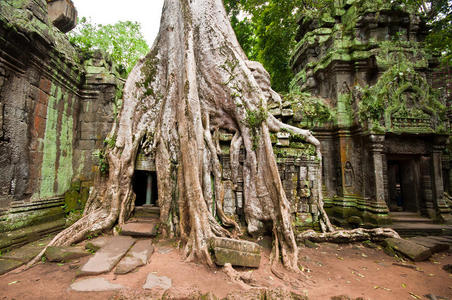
[{"x": 195, "y": 81}]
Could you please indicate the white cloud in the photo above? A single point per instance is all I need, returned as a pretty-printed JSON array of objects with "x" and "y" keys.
[{"x": 146, "y": 12}]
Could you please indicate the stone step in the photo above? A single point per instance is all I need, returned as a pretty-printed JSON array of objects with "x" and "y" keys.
[
  {"x": 411, "y": 219},
  {"x": 434, "y": 245},
  {"x": 139, "y": 229},
  {"x": 17, "y": 257},
  {"x": 409, "y": 229},
  {"x": 137, "y": 256},
  {"x": 147, "y": 211},
  {"x": 17, "y": 238},
  {"x": 108, "y": 256},
  {"x": 443, "y": 239},
  {"x": 7, "y": 265}
]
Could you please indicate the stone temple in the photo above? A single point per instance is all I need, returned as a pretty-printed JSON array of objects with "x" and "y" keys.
[
  {"x": 363, "y": 61},
  {"x": 382, "y": 126}
]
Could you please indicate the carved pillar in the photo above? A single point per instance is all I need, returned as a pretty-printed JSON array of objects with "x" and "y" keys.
[
  {"x": 345, "y": 153},
  {"x": 437, "y": 181},
  {"x": 377, "y": 157}
]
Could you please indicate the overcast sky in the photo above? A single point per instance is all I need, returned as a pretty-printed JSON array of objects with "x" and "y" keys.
[{"x": 146, "y": 12}]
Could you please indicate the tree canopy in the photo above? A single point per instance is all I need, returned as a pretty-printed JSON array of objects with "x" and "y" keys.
[
  {"x": 123, "y": 41},
  {"x": 266, "y": 30}
]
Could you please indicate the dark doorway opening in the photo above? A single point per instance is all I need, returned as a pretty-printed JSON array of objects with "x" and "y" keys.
[
  {"x": 403, "y": 184},
  {"x": 145, "y": 188}
]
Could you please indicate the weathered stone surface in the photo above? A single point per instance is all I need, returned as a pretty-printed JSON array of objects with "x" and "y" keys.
[
  {"x": 107, "y": 257},
  {"x": 154, "y": 281},
  {"x": 143, "y": 229},
  {"x": 97, "y": 243},
  {"x": 64, "y": 254},
  {"x": 62, "y": 14},
  {"x": 235, "y": 252},
  {"x": 7, "y": 265},
  {"x": 434, "y": 245},
  {"x": 27, "y": 252},
  {"x": 137, "y": 256},
  {"x": 95, "y": 285},
  {"x": 41, "y": 114},
  {"x": 408, "y": 248}
]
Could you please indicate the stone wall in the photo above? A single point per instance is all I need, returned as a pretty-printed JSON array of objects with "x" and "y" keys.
[{"x": 55, "y": 110}]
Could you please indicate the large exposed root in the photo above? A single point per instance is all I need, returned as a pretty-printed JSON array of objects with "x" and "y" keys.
[{"x": 348, "y": 236}]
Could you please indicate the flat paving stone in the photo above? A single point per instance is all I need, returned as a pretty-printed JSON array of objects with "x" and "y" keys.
[
  {"x": 7, "y": 265},
  {"x": 140, "y": 229},
  {"x": 108, "y": 256},
  {"x": 97, "y": 243},
  {"x": 154, "y": 281},
  {"x": 95, "y": 285},
  {"x": 137, "y": 256}
]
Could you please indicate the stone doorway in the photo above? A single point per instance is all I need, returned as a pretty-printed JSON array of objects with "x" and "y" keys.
[
  {"x": 404, "y": 184},
  {"x": 145, "y": 188}
]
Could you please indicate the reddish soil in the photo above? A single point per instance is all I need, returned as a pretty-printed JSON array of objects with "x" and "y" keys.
[{"x": 330, "y": 270}]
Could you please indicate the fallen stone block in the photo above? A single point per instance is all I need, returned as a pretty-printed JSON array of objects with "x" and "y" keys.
[
  {"x": 95, "y": 285},
  {"x": 64, "y": 254},
  {"x": 408, "y": 248},
  {"x": 236, "y": 252},
  {"x": 137, "y": 256},
  {"x": 108, "y": 256},
  {"x": 7, "y": 265},
  {"x": 154, "y": 281}
]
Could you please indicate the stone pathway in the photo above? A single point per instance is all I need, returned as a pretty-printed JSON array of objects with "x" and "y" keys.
[
  {"x": 108, "y": 256},
  {"x": 138, "y": 256}
]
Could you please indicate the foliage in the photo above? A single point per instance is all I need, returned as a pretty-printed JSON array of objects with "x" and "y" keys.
[
  {"x": 266, "y": 31},
  {"x": 389, "y": 96},
  {"x": 438, "y": 15},
  {"x": 312, "y": 110},
  {"x": 122, "y": 40},
  {"x": 102, "y": 161}
]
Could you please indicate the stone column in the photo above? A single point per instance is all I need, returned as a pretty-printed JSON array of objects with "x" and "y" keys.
[
  {"x": 149, "y": 189},
  {"x": 443, "y": 210},
  {"x": 378, "y": 203}
]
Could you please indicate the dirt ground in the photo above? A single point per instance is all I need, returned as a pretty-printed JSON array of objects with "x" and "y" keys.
[{"x": 329, "y": 270}]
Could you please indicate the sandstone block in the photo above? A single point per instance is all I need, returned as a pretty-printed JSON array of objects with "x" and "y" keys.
[
  {"x": 235, "y": 252},
  {"x": 408, "y": 248}
]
